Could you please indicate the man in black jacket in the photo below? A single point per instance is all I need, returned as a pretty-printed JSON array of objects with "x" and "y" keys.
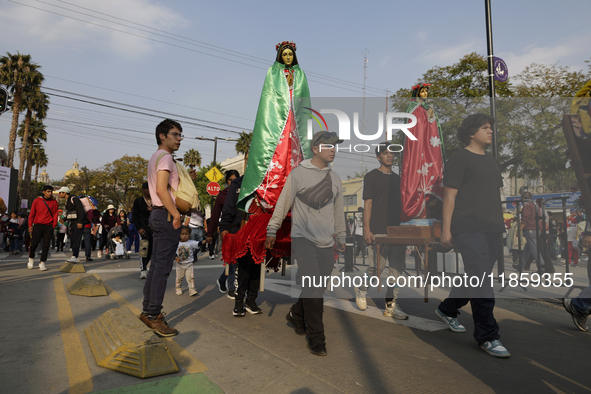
[
  {"x": 247, "y": 271},
  {"x": 140, "y": 214},
  {"x": 77, "y": 226}
]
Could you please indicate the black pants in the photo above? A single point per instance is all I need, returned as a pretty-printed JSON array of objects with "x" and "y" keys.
[
  {"x": 165, "y": 243},
  {"x": 360, "y": 245},
  {"x": 145, "y": 260},
  {"x": 479, "y": 254},
  {"x": 76, "y": 235},
  {"x": 41, "y": 231},
  {"x": 60, "y": 241},
  {"x": 249, "y": 278},
  {"x": 211, "y": 246},
  {"x": 313, "y": 262}
]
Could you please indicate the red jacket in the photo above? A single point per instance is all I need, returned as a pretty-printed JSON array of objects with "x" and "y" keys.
[{"x": 40, "y": 214}]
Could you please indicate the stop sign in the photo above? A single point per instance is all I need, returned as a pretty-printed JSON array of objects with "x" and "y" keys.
[{"x": 213, "y": 188}]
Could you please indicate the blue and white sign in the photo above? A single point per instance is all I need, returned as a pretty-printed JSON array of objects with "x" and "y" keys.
[
  {"x": 500, "y": 69},
  {"x": 552, "y": 204}
]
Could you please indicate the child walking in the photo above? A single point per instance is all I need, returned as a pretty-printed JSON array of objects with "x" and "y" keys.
[{"x": 184, "y": 261}]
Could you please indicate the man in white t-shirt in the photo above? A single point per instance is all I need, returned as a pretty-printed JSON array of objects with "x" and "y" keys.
[{"x": 165, "y": 222}]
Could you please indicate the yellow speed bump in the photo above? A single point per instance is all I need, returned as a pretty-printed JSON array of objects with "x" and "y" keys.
[
  {"x": 72, "y": 268},
  {"x": 87, "y": 285},
  {"x": 121, "y": 342}
]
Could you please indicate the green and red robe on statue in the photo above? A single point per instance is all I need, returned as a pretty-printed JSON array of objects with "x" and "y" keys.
[{"x": 279, "y": 144}]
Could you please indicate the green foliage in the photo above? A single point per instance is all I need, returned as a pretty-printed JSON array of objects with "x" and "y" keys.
[
  {"x": 243, "y": 144},
  {"x": 192, "y": 158},
  {"x": 201, "y": 182},
  {"x": 529, "y": 111},
  {"x": 117, "y": 183}
]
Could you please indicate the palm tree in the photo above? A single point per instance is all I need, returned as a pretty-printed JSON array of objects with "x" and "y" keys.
[
  {"x": 192, "y": 158},
  {"x": 17, "y": 73},
  {"x": 36, "y": 103},
  {"x": 39, "y": 159},
  {"x": 243, "y": 145},
  {"x": 37, "y": 133}
]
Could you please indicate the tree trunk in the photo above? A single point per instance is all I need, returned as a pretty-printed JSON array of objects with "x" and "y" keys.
[
  {"x": 29, "y": 165},
  {"x": 23, "y": 187},
  {"x": 35, "y": 185},
  {"x": 12, "y": 138}
]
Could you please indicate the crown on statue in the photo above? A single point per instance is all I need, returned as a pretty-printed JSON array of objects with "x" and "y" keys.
[
  {"x": 289, "y": 43},
  {"x": 421, "y": 85}
]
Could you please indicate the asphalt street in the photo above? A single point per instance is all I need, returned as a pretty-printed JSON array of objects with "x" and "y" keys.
[{"x": 44, "y": 349}]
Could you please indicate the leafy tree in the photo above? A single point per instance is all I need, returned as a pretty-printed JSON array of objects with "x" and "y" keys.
[
  {"x": 36, "y": 135},
  {"x": 192, "y": 158},
  {"x": 18, "y": 73},
  {"x": 122, "y": 179},
  {"x": 201, "y": 182},
  {"x": 529, "y": 110},
  {"x": 243, "y": 145},
  {"x": 36, "y": 104},
  {"x": 39, "y": 159}
]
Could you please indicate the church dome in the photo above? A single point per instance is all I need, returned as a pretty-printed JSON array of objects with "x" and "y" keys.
[{"x": 74, "y": 171}]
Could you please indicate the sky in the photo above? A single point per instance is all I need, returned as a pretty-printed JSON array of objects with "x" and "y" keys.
[{"x": 205, "y": 62}]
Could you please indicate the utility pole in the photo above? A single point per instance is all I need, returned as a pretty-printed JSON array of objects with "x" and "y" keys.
[
  {"x": 215, "y": 144},
  {"x": 491, "y": 78},
  {"x": 363, "y": 112}
]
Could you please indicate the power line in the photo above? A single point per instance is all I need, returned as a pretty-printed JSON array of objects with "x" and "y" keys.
[
  {"x": 178, "y": 46},
  {"x": 216, "y": 48}
]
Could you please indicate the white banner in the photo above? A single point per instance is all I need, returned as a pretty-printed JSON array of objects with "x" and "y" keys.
[{"x": 5, "y": 185}]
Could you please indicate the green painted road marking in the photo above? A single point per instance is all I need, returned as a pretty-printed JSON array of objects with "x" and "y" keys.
[{"x": 187, "y": 384}]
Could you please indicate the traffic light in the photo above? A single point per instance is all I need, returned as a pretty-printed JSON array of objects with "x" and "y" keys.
[{"x": 3, "y": 100}]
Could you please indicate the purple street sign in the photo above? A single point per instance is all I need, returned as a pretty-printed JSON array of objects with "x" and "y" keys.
[{"x": 500, "y": 69}]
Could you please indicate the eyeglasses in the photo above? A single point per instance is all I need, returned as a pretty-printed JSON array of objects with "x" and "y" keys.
[
  {"x": 326, "y": 134},
  {"x": 178, "y": 135}
]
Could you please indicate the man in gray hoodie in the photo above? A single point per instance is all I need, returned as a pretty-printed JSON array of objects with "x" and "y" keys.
[{"x": 313, "y": 192}]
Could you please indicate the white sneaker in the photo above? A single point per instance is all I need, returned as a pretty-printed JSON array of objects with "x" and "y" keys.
[
  {"x": 31, "y": 263},
  {"x": 393, "y": 310},
  {"x": 143, "y": 274},
  {"x": 360, "y": 299},
  {"x": 73, "y": 260},
  {"x": 178, "y": 292},
  {"x": 193, "y": 292},
  {"x": 99, "y": 254},
  {"x": 42, "y": 266},
  {"x": 211, "y": 256}
]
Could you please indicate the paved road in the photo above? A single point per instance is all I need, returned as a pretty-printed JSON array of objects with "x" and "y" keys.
[{"x": 367, "y": 353}]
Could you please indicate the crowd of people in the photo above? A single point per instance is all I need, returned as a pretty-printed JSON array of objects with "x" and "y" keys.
[{"x": 289, "y": 202}]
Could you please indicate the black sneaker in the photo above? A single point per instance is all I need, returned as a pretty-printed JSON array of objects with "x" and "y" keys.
[
  {"x": 88, "y": 259},
  {"x": 239, "y": 309},
  {"x": 317, "y": 346},
  {"x": 299, "y": 327},
  {"x": 222, "y": 286},
  {"x": 252, "y": 308},
  {"x": 579, "y": 319},
  {"x": 231, "y": 295}
]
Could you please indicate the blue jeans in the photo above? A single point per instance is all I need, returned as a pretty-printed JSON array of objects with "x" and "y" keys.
[
  {"x": 165, "y": 242},
  {"x": 479, "y": 254},
  {"x": 231, "y": 278},
  {"x": 15, "y": 244}
]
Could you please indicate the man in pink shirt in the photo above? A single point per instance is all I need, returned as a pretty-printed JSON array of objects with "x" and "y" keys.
[{"x": 165, "y": 222}]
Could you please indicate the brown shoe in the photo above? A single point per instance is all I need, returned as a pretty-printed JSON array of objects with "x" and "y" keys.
[{"x": 159, "y": 326}]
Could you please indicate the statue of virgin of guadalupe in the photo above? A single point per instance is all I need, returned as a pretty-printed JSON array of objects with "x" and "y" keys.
[
  {"x": 421, "y": 173},
  {"x": 279, "y": 144},
  {"x": 279, "y": 139}
]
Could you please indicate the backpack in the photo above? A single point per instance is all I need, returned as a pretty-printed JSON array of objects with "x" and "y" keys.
[
  {"x": 89, "y": 204},
  {"x": 186, "y": 196}
]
